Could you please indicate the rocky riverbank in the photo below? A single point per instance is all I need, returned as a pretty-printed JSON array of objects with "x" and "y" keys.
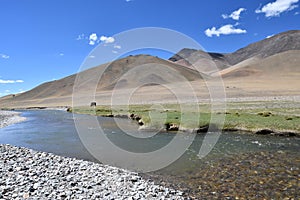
[
  {"x": 9, "y": 117},
  {"x": 27, "y": 174}
]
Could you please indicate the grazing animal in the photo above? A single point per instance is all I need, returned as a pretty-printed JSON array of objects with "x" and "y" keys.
[{"x": 93, "y": 104}]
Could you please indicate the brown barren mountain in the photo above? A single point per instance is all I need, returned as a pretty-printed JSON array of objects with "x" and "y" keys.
[
  {"x": 263, "y": 69},
  {"x": 279, "y": 43},
  {"x": 102, "y": 78}
]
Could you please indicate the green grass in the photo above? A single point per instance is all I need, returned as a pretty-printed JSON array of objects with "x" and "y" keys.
[{"x": 250, "y": 116}]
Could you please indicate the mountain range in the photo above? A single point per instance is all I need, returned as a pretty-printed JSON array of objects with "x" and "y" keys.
[{"x": 265, "y": 68}]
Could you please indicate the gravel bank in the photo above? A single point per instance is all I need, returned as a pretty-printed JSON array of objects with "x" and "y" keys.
[
  {"x": 10, "y": 117},
  {"x": 28, "y": 174}
]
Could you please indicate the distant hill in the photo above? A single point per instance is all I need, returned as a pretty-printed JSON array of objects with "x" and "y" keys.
[{"x": 205, "y": 62}]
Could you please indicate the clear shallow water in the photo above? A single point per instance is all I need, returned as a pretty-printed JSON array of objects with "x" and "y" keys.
[
  {"x": 54, "y": 131},
  {"x": 50, "y": 131},
  {"x": 237, "y": 165}
]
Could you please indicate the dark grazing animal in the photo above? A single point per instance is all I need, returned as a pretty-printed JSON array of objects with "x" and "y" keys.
[{"x": 93, "y": 104}]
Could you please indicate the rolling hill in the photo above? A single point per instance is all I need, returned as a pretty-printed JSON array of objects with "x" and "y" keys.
[{"x": 100, "y": 78}]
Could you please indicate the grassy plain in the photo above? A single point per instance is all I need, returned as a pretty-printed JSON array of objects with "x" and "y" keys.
[{"x": 273, "y": 116}]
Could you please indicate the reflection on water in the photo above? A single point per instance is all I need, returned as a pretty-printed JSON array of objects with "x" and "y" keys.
[{"x": 54, "y": 131}]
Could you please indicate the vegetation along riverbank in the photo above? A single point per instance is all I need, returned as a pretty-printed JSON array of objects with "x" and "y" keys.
[{"x": 279, "y": 118}]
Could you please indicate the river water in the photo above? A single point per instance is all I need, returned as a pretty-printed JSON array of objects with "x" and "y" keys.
[{"x": 54, "y": 131}]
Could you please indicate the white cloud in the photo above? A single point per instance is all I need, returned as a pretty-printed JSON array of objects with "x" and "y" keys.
[
  {"x": 61, "y": 54},
  {"x": 93, "y": 39},
  {"x": 4, "y": 56},
  {"x": 235, "y": 14},
  {"x": 10, "y": 81},
  {"x": 6, "y": 81},
  {"x": 92, "y": 42},
  {"x": 274, "y": 9},
  {"x": 107, "y": 39},
  {"x": 269, "y": 36},
  {"x": 296, "y": 13},
  {"x": 224, "y": 30},
  {"x": 114, "y": 51},
  {"x": 128, "y": 0},
  {"x": 117, "y": 47}
]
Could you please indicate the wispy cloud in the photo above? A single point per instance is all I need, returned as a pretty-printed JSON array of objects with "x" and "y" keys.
[
  {"x": 269, "y": 36},
  {"x": 81, "y": 37},
  {"x": 7, "y": 92},
  {"x": 117, "y": 47},
  {"x": 128, "y": 0},
  {"x": 224, "y": 30},
  {"x": 274, "y": 9},
  {"x": 235, "y": 14},
  {"x": 10, "y": 81},
  {"x": 61, "y": 54},
  {"x": 107, "y": 39},
  {"x": 4, "y": 56}
]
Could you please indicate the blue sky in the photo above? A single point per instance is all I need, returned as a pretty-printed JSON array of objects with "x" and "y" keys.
[{"x": 46, "y": 40}]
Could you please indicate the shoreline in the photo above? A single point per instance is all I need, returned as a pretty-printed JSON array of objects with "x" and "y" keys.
[
  {"x": 28, "y": 173},
  {"x": 9, "y": 118}
]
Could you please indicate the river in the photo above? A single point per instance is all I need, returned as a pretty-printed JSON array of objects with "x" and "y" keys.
[{"x": 54, "y": 131}]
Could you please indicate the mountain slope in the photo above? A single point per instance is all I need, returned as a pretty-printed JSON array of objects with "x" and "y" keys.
[
  {"x": 282, "y": 42},
  {"x": 103, "y": 78},
  {"x": 281, "y": 65},
  {"x": 279, "y": 43}
]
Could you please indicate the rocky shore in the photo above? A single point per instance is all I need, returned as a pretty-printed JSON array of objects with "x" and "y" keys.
[
  {"x": 28, "y": 174},
  {"x": 9, "y": 117}
]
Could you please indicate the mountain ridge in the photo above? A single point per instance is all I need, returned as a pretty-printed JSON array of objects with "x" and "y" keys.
[{"x": 289, "y": 40}]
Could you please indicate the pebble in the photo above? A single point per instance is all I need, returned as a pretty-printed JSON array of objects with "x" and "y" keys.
[
  {"x": 253, "y": 175},
  {"x": 48, "y": 176}
]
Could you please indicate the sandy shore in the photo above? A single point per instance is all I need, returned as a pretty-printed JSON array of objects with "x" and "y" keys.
[
  {"x": 9, "y": 117},
  {"x": 28, "y": 174}
]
